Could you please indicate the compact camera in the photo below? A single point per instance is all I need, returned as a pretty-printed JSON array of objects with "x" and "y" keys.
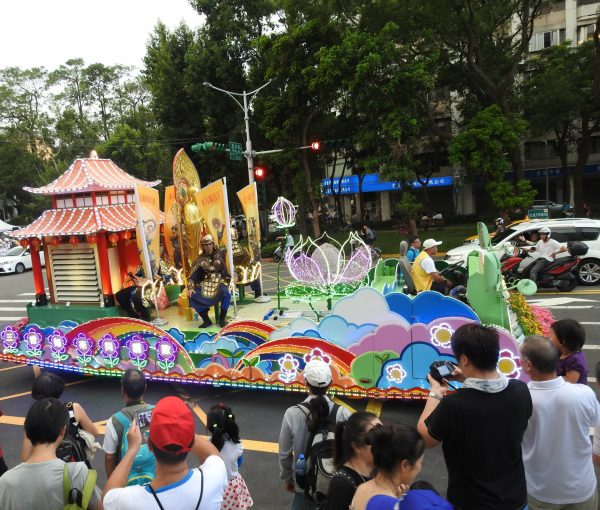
[{"x": 441, "y": 371}]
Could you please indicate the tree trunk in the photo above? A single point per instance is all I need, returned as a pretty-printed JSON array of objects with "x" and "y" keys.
[
  {"x": 583, "y": 152},
  {"x": 314, "y": 202}
]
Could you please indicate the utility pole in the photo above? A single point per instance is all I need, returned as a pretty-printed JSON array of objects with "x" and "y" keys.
[{"x": 245, "y": 106}]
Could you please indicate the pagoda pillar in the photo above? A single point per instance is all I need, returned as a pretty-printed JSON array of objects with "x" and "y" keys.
[
  {"x": 109, "y": 298},
  {"x": 38, "y": 276}
]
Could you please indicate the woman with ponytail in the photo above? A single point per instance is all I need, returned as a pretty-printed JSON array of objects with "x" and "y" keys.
[
  {"x": 352, "y": 457},
  {"x": 225, "y": 435}
]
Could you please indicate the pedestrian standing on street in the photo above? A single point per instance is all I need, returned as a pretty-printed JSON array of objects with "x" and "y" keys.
[
  {"x": 557, "y": 452},
  {"x": 225, "y": 435},
  {"x": 172, "y": 437},
  {"x": 480, "y": 426},
  {"x": 298, "y": 423},
  {"x": 353, "y": 459},
  {"x": 133, "y": 386},
  {"x": 569, "y": 338},
  {"x": 414, "y": 248}
]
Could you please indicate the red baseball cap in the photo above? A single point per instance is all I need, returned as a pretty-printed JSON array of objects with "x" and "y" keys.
[{"x": 172, "y": 424}]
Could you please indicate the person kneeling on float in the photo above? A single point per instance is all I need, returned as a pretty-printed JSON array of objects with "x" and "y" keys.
[
  {"x": 208, "y": 283},
  {"x": 424, "y": 273}
]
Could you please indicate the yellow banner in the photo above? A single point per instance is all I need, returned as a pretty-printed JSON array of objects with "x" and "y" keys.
[
  {"x": 214, "y": 211},
  {"x": 148, "y": 229},
  {"x": 249, "y": 200},
  {"x": 172, "y": 241}
]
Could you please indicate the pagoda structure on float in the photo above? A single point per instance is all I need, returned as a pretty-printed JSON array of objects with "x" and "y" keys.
[{"x": 87, "y": 241}]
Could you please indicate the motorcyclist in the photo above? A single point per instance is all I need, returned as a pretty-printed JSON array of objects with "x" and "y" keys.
[
  {"x": 500, "y": 228},
  {"x": 547, "y": 249}
]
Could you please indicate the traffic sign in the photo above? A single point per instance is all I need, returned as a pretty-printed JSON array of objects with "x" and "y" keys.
[
  {"x": 236, "y": 151},
  {"x": 538, "y": 214}
]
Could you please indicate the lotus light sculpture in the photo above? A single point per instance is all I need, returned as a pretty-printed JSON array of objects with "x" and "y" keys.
[
  {"x": 323, "y": 268},
  {"x": 283, "y": 213}
]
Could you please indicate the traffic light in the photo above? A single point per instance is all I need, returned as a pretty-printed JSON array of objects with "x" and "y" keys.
[
  {"x": 315, "y": 146},
  {"x": 260, "y": 172},
  {"x": 209, "y": 146}
]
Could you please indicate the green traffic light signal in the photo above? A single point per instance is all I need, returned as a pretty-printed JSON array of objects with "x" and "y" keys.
[{"x": 209, "y": 146}]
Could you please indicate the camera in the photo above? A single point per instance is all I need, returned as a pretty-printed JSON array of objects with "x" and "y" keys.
[
  {"x": 143, "y": 419},
  {"x": 442, "y": 370}
]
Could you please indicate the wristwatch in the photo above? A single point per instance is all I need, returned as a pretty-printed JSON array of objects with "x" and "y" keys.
[{"x": 433, "y": 394}]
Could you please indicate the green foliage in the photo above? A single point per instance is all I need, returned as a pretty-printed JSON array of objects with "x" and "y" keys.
[{"x": 509, "y": 196}]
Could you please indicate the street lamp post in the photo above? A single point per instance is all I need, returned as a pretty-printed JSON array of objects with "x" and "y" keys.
[{"x": 245, "y": 107}]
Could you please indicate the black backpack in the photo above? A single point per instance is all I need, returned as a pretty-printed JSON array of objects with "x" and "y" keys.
[
  {"x": 319, "y": 455},
  {"x": 72, "y": 448}
]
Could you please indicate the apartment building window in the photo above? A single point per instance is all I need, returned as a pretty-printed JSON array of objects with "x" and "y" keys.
[
  {"x": 595, "y": 145},
  {"x": 585, "y": 33},
  {"x": 542, "y": 40}
]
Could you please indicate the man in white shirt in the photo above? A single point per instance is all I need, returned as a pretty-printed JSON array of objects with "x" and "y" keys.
[
  {"x": 172, "y": 437},
  {"x": 423, "y": 271},
  {"x": 557, "y": 451},
  {"x": 547, "y": 249}
]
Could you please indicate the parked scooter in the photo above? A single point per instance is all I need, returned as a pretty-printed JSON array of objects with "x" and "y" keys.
[{"x": 560, "y": 274}]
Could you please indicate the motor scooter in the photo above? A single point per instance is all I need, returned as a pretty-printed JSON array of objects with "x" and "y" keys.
[{"x": 560, "y": 273}]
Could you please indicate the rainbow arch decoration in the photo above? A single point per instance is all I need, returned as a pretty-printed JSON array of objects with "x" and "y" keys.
[{"x": 378, "y": 346}]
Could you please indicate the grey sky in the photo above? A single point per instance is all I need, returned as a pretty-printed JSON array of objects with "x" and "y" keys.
[{"x": 36, "y": 33}]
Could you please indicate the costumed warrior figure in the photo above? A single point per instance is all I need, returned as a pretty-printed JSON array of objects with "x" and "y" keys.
[{"x": 208, "y": 283}]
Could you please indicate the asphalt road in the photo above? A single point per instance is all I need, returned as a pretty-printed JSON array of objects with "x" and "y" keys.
[{"x": 258, "y": 413}]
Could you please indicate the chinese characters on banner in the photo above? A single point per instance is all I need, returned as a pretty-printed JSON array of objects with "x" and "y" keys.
[
  {"x": 172, "y": 237},
  {"x": 249, "y": 199},
  {"x": 148, "y": 229}
]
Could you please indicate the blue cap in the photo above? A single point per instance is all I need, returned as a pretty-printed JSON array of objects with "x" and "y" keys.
[{"x": 412, "y": 500}]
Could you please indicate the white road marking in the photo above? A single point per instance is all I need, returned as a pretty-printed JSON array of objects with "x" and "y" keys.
[
  {"x": 590, "y": 323},
  {"x": 592, "y": 347},
  {"x": 16, "y": 300},
  {"x": 8, "y": 309},
  {"x": 8, "y": 319},
  {"x": 571, "y": 307},
  {"x": 557, "y": 301}
]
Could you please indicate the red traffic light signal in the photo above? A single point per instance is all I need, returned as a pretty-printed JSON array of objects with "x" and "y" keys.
[
  {"x": 315, "y": 146},
  {"x": 259, "y": 173}
]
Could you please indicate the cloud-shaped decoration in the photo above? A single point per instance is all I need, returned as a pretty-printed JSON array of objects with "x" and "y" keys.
[
  {"x": 177, "y": 335},
  {"x": 211, "y": 346},
  {"x": 390, "y": 337},
  {"x": 67, "y": 325},
  {"x": 296, "y": 327},
  {"x": 428, "y": 306},
  {"x": 414, "y": 362},
  {"x": 196, "y": 344},
  {"x": 368, "y": 306},
  {"x": 337, "y": 330},
  {"x": 309, "y": 332}
]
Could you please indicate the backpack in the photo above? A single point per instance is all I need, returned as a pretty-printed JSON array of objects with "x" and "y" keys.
[
  {"x": 319, "y": 455},
  {"x": 75, "y": 499},
  {"x": 144, "y": 464},
  {"x": 72, "y": 447}
]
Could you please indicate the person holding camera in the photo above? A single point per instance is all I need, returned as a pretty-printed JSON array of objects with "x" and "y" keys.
[{"x": 480, "y": 426}]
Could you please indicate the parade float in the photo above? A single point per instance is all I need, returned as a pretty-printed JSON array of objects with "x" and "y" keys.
[{"x": 378, "y": 340}]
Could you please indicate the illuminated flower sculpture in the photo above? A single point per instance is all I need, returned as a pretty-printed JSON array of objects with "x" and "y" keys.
[
  {"x": 138, "y": 351},
  {"x": 84, "y": 347},
  {"x": 109, "y": 350},
  {"x": 166, "y": 354},
  {"x": 34, "y": 340},
  {"x": 289, "y": 368},
  {"x": 10, "y": 340},
  {"x": 324, "y": 268},
  {"x": 283, "y": 213},
  {"x": 58, "y": 343}
]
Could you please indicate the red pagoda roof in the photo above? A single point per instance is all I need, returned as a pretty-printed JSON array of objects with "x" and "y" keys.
[
  {"x": 86, "y": 175},
  {"x": 81, "y": 221}
]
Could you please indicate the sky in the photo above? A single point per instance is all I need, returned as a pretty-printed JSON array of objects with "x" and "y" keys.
[{"x": 46, "y": 33}]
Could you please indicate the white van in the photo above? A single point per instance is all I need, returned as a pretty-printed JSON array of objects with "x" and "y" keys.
[{"x": 563, "y": 230}]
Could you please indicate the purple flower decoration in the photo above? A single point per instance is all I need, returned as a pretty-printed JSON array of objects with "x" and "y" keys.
[
  {"x": 138, "y": 351},
  {"x": 10, "y": 340},
  {"x": 166, "y": 354},
  {"x": 283, "y": 213},
  {"x": 58, "y": 343},
  {"x": 84, "y": 346},
  {"x": 34, "y": 339},
  {"x": 109, "y": 350}
]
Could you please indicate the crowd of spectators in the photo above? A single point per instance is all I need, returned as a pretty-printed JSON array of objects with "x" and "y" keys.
[{"x": 507, "y": 445}]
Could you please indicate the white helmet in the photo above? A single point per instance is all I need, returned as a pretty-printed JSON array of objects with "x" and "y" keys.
[
  {"x": 499, "y": 221},
  {"x": 545, "y": 230}
]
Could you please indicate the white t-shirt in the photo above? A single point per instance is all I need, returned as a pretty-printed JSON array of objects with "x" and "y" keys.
[
  {"x": 428, "y": 265},
  {"x": 111, "y": 441},
  {"x": 557, "y": 451},
  {"x": 182, "y": 495},
  {"x": 548, "y": 249},
  {"x": 230, "y": 453}
]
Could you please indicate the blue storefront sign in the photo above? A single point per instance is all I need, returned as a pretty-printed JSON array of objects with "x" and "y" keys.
[{"x": 371, "y": 183}]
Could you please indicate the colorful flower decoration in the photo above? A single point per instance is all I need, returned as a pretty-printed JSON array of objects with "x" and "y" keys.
[
  {"x": 289, "y": 368},
  {"x": 109, "y": 350},
  {"x": 509, "y": 364},
  {"x": 138, "y": 351},
  {"x": 10, "y": 340},
  {"x": 317, "y": 354},
  {"x": 441, "y": 334},
  {"x": 84, "y": 347},
  {"x": 166, "y": 354},
  {"x": 395, "y": 373},
  {"x": 283, "y": 213},
  {"x": 58, "y": 343},
  {"x": 34, "y": 340}
]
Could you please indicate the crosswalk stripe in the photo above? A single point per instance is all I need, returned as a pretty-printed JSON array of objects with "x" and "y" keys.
[
  {"x": 11, "y": 318},
  {"x": 15, "y": 300},
  {"x": 11, "y": 309}
]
